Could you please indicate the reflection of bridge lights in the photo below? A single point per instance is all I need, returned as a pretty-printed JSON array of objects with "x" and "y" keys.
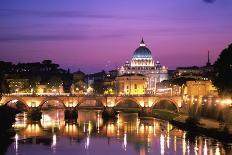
[
  {"x": 142, "y": 129},
  {"x": 57, "y": 115},
  {"x": 125, "y": 141},
  {"x": 150, "y": 130},
  {"x": 54, "y": 140},
  {"x": 87, "y": 142},
  {"x": 161, "y": 144},
  {"x": 33, "y": 130},
  {"x": 137, "y": 125},
  {"x": 217, "y": 150},
  {"x": 154, "y": 128},
  {"x": 196, "y": 147},
  {"x": 175, "y": 143},
  {"x": 148, "y": 144},
  {"x": 46, "y": 120},
  {"x": 118, "y": 126},
  {"x": 98, "y": 122},
  {"x": 16, "y": 142},
  {"x": 110, "y": 129},
  {"x": 89, "y": 127},
  {"x": 84, "y": 128},
  {"x": 205, "y": 149},
  {"x": 168, "y": 138},
  {"x": 183, "y": 144},
  {"x": 188, "y": 147},
  {"x": 71, "y": 129}
]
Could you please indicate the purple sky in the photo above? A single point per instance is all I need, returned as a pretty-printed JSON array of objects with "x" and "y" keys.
[{"x": 95, "y": 35}]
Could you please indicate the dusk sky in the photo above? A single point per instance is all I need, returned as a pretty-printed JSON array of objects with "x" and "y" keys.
[{"x": 92, "y": 35}]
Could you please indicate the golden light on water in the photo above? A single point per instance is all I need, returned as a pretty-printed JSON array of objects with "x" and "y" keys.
[
  {"x": 127, "y": 130},
  {"x": 162, "y": 144}
]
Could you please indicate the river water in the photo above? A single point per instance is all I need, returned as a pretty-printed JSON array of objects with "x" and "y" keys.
[{"x": 90, "y": 135}]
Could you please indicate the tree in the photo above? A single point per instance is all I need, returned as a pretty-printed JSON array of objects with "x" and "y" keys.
[
  {"x": 34, "y": 80},
  {"x": 223, "y": 72},
  {"x": 99, "y": 86},
  {"x": 48, "y": 62},
  {"x": 55, "y": 81}
]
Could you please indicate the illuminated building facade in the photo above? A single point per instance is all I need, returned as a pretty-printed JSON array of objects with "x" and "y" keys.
[
  {"x": 18, "y": 85},
  {"x": 200, "y": 87},
  {"x": 46, "y": 89},
  {"x": 131, "y": 84},
  {"x": 143, "y": 63}
]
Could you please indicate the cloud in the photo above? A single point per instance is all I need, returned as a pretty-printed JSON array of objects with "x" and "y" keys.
[
  {"x": 55, "y": 37},
  {"x": 209, "y": 1},
  {"x": 40, "y": 37},
  {"x": 55, "y": 14}
]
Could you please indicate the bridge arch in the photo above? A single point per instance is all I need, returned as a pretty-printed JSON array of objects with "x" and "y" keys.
[
  {"x": 90, "y": 103},
  {"x": 127, "y": 103},
  {"x": 166, "y": 103},
  {"x": 46, "y": 100},
  {"x": 11, "y": 102}
]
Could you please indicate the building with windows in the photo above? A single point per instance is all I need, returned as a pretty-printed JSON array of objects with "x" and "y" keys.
[
  {"x": 201, "y": 88},
  {"x": 18, "y": 85},
  {"x": 143, "y": 63},
  {"x": 131, "y": 84}
]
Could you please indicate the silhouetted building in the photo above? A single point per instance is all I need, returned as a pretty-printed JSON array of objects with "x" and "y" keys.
[{"x": 195, "y": 72}]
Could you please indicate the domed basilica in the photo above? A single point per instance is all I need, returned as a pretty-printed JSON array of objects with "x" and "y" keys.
[{"x": 143, "y": 63}]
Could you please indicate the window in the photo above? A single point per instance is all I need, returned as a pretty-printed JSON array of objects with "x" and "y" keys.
[{"x": 135, "y": 86}]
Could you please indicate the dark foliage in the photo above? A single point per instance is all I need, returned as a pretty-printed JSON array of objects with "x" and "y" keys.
[
  {"x": 37, "y": 73},
  {"x": 7, "y": 118},
  {"x": 9, "y": 113},
  {"x": 223, "y": 71},
  {"x": 179, "y": 81}
]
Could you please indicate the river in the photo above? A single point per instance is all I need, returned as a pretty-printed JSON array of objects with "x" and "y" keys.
[{"x": 90, "y": 135}]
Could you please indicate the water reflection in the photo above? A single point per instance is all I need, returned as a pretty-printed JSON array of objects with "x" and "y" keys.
[{"x": 90, "y": 134}]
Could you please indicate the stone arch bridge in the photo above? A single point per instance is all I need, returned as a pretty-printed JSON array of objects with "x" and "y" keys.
[{"x": 90, "y": 100}]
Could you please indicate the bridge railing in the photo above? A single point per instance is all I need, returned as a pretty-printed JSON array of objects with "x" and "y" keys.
[
  {"x": 85, "y": 95},
  {"x": 31, "y": 94}
]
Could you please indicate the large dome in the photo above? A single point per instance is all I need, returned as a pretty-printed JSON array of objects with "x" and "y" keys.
[{"x": 142, "y": 51}]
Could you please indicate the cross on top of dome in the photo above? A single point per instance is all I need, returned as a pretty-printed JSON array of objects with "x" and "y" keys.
[
  {"x": 142, "y": 43},
  {"x": 142, "y": 52}
]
